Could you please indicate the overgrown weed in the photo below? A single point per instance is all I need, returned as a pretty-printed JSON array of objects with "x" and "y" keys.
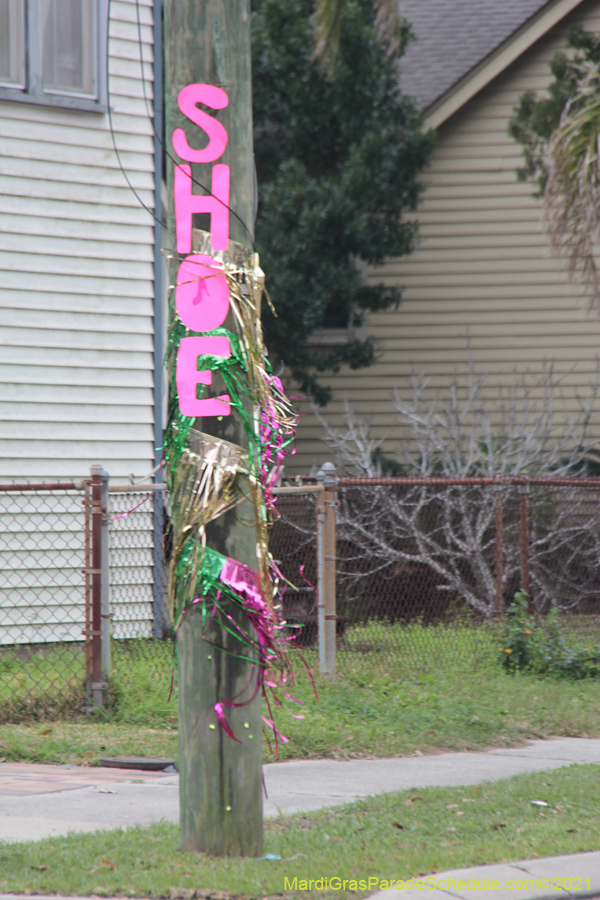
[{"x": 545, "y": 647}]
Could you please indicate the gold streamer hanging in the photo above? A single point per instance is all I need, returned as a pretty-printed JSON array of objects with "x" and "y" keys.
[{"x": 201, "y": 491}]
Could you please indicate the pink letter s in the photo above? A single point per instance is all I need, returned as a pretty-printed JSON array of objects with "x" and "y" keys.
[{"x": 217, "y": 136}]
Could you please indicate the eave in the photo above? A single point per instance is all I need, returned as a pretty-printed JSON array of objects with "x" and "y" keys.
[{"x": 497, "y": 61}]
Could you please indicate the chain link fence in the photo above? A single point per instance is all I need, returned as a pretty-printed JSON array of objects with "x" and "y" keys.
[
  {"x": 293, "y": 545},
  {"x": 138, "y": 577},
  {"x": 420, "y": 566},
  {"x": 141, "y": 628},
  {"x": 42, "y": 600},
  {"x": 420, "y": 562},
  {"x": 46, "y": 596}
]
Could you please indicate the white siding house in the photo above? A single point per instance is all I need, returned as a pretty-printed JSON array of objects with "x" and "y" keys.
[
  {"x": 78, "y": 268},
  {"x": 81, "y": 301}
]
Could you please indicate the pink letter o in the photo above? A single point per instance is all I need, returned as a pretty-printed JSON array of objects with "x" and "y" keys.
[{"x": 201, "y": 293}]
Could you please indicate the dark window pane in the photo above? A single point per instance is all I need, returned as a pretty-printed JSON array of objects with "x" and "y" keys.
[{"x": 337, "y": 315}]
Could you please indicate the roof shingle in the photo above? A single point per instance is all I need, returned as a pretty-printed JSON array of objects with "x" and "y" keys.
[{"x": 453, "y": 36}]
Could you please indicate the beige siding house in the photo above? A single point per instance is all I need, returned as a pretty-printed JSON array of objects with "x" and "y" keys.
[{"x": 483, "y": 267}]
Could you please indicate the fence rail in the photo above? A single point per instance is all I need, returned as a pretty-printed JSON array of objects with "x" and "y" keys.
[
  {"x": 447, "y": 481},
  {"x": 374, "y": 565},
  {"x": 433, "y": 550}
]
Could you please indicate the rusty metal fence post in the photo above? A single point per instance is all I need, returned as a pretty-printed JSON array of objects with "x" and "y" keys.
[
  {"x": 326, "y": 558},
  {"x": 320, "y": 511},
  {"x": 160, "y": 616},
  {"x": 105, "y": 566},
  {"x": 96, "y": 513},
  {"x": 499, "y": 552},
  {"x": 524, "y": 537}
]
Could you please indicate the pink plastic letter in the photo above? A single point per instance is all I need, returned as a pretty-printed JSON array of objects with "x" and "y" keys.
[
  {"x": 217, "y": 136},
  {"x": 201, "y": 293},
  {"x": 216, "y": 203},
  {"x": 188, "y": 377}
]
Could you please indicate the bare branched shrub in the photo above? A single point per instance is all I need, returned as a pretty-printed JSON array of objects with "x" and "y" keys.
[{"x": 448, "y": 529}]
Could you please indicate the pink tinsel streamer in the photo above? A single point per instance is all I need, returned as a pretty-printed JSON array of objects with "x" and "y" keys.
[{"x": 245, "y": 582}]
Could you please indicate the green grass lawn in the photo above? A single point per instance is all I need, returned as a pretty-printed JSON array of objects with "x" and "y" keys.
[
  {"x": 45, "y": 684},
  {"x": 450, "y": 695},
  {"x": 394, "y": 836},
  {"x": 81, "y": 743}
]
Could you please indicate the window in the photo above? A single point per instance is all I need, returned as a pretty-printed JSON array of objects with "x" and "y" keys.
[
  {"x": 12, "y": 44},
  {"x": 68, "y": 50},
  {"x": 54, "y": 52}
]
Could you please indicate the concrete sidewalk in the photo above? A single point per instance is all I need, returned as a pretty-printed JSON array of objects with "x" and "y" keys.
[
  {"x": 39, "y": 801},
  {"x": 558, "y": 877}
]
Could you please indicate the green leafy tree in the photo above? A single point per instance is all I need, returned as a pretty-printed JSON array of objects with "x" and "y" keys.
[{"x": 338, "y": 152}]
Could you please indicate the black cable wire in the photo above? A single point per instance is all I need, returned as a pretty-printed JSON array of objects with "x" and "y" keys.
[
  {"x": 159, "y": 138},
  {"x": 112, "y": 130}
]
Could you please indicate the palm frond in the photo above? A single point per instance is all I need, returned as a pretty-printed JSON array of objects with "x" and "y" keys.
[
  {"x": 327, "y": 20},
  {"x": 327, "y": 24},
  {"x": 391, "y": 27},
  {"x": 572, "y": 194}
]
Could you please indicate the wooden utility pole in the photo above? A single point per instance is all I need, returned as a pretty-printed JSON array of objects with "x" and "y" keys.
[{"x": 208, "y": 42}]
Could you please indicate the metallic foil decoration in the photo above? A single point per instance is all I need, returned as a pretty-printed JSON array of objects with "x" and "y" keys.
[
  {"x": 201, "y": 471},
  {"x": 200, "y": 492}
]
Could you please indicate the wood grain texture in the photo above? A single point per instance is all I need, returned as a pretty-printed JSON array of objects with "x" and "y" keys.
[{"x": 221, "y": 813}]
